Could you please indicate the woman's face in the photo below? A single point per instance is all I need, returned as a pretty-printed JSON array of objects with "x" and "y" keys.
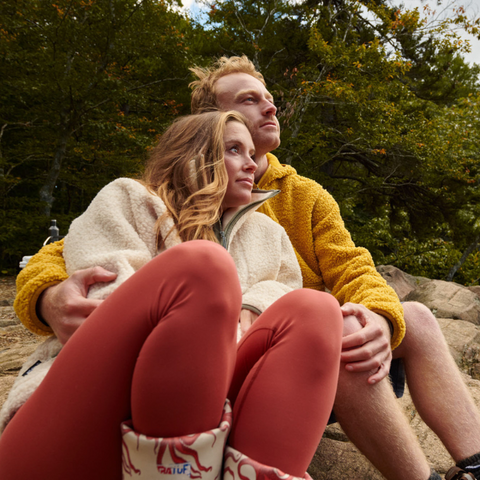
[{"x": 239, "y": 154}]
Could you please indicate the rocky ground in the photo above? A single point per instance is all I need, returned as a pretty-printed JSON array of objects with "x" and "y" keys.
[
  {"x": 16, "y": 343},
  {"x": 457, "y": 310}
]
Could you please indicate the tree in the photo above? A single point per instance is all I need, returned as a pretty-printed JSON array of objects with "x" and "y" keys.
[
  {"x": 370, "y": 101},
  {"x": 85, "y": 88}
]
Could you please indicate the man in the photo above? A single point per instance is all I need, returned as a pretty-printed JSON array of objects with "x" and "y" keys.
[{"x": 365, "y": 404}]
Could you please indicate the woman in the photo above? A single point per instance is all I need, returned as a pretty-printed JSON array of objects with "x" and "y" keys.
[{"x": 159, "y": 356}]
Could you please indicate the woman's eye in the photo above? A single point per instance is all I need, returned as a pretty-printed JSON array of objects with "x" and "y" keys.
[{"x": 235, "y": 149}]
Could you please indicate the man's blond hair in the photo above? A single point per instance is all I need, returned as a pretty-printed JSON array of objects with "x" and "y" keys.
[{"x": 204, "y": 97}]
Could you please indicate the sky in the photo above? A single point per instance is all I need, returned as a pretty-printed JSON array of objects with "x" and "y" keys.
[{"x": 472, "y": 8}]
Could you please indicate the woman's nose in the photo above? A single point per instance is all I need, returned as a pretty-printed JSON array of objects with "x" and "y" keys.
[{"x": 250, "y": 165}]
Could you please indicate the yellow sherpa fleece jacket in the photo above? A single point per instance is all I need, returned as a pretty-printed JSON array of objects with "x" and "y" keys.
[
  {"x": 326, "y": 253},
  {"x": 44, "y": 269}
]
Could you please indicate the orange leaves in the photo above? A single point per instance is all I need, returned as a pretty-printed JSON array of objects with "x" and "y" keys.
[
  {"x": 60, "y": 11},
  {"x": 408, "y": 19},
  {"x": 293, "y": 74}
]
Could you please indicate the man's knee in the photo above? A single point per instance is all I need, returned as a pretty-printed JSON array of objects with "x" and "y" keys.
[
  {"x": 419, "y": 318},
  {"x": 314, "y": 318},
  {"x": 422, "y": 331}
]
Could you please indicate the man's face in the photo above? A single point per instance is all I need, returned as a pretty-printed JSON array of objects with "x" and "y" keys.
[{"x": 247, "y": 95}]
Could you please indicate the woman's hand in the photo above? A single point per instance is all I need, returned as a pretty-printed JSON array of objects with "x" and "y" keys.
[{"x": 247, "y": 317}]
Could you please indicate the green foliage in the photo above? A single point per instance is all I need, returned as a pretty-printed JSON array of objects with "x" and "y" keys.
[
  {"x": 86, "y": 87},
  {"x": 379, "y": 107},
  {"x": 375, "y": 103}
]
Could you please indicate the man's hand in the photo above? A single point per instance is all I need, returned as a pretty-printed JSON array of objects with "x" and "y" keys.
[
  {"x": 65, "y": 306},
  {"x": 366, "y": 342},
  {"x": 247, "y": 317}
]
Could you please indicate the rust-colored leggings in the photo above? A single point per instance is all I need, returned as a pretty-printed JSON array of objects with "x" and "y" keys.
[{"x": 162, "y": 351}]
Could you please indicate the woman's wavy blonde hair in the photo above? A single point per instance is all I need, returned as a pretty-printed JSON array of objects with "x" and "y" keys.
[{"x": 187, "y": 171}]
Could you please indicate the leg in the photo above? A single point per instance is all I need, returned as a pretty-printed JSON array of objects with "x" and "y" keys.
[
  {"x": 166, "y": 317},
  {"x": 375, "y": 423},
  {"x": 434, "y": 381},
  {"x": 285, "y": 380}
]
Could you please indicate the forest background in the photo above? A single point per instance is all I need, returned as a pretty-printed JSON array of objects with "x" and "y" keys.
[{"x": 376, "y": 103}]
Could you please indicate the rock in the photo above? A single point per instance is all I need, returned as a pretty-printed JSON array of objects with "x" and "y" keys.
[
  {"x": 475, "y": 289},
  {"x": 12, "y": 359},
  {"x": 335, "y": 460},
  {"x": 338, "y": 459},
  {"x": 463, "y": 338},
  {"x": 8, "y": 317},
  {"x": 401, "y": 282},
  {"x": 448, "y": 300},
  {"x": 5, "y": 385},
  {"x": 436, "y": 453}
]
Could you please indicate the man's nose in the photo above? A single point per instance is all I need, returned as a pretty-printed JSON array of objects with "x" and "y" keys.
[{"x": 269, "y": 108}]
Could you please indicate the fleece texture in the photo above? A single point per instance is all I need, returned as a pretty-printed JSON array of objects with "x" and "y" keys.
[
  {"x": 45, "y": 269},
  {"x": 29, "y": 378},
  {"x": 327, "y": 255},
  {"x": 117, "y": 232}
]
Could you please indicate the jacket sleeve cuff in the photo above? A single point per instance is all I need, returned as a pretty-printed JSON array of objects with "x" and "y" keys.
[
  {"x": 396, "y": 324},
  {"x": 37, "y": 322},
  {"x": 26, "y": 302}
]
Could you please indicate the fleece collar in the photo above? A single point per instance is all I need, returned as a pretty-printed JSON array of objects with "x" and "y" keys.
[
  {"x": 275, "y": 171},
  {"x": 259, "y": 197},
  {"x": 233, "y": 218}
]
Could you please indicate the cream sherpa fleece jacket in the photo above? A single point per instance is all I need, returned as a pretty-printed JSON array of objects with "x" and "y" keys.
[{"x": 117, "y": 232}]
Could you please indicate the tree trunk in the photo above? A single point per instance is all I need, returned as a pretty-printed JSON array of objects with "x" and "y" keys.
[
  {"x": 473, "y": 246},
  {"x": 46, "y": 192}
]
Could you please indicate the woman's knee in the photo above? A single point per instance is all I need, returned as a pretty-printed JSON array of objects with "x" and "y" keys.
[
  {"x": 317, "y": 318},
  {"x": 200, "y": 257},
  {"x": 307, "y": 303},
  {"x": 198, "y": 262},
  {"x": 201, "y": 271}
]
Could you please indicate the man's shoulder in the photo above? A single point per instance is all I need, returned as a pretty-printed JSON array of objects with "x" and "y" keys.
[
  {"x": 288, "y": 176},
  {"x": 295, "y": 184}
]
